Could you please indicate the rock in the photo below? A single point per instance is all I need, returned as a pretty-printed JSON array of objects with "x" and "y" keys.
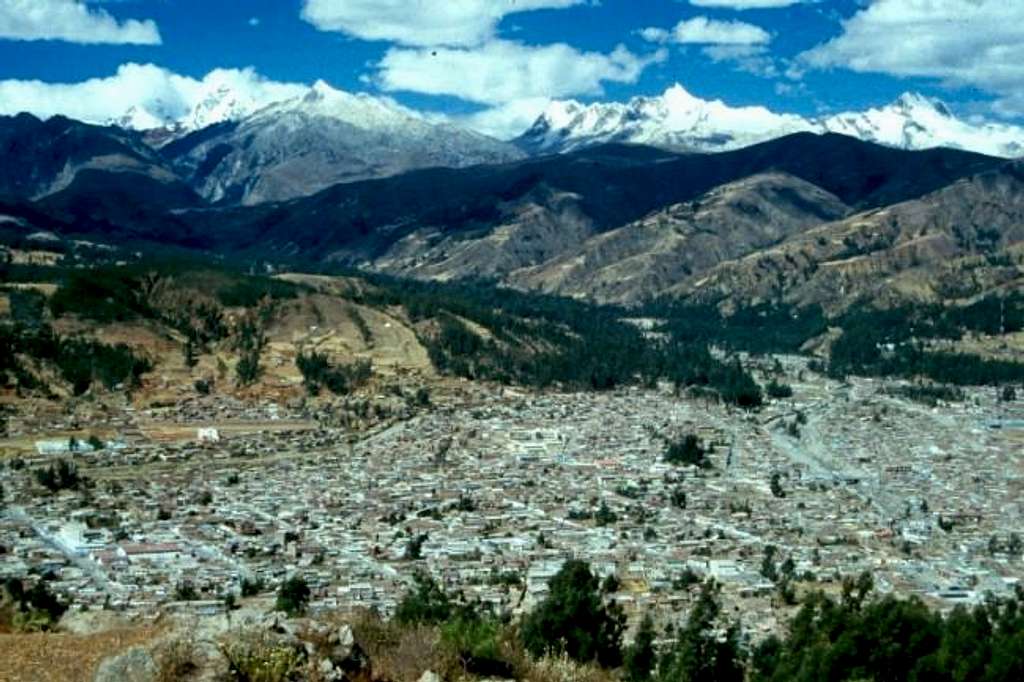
[
  {"x": 328, "y": 671},
  {"x": 345, "y": 638},
  {"x": 346, "y": 653},
  {"x": 134, "y": 665},
  {"x": 430, "y": 676}
]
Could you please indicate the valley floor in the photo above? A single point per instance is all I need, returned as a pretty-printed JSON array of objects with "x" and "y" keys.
[{"x": 490, "y": 489}]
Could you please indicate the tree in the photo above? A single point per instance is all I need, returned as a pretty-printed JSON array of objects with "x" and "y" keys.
[
  {"x": 641, "y": 655},
  {"x": 63, "y": 475},
  {"x": 776, "y": 485},
  {"x": 687, "y": 451},
  {"x": 778, "y": 390},
  {"x": 189, "y": 353},
  {"x": 679, "y": 498},
  {"x": 293, "y": 596},
  {"x": 248, "y": 369},
  {"x": 768, "y": 569},
  {"x": 605, "y": 516},
  {"x": 414, "y": 547},
  {"x": 425, "y": 604},
  {"x": 702, "y": 653},
  {"x": 573, "y": 620}
]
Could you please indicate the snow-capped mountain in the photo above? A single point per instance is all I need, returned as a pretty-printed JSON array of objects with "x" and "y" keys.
[
  {"x": 679, "y": 120},
  {"x": 303, "y": 144},
  {"x": 224, "y": 95},
  {"x": 914, "y": 121}
]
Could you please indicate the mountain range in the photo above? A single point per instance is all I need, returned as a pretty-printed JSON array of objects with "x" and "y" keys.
[
  {"x": 678, "y": 120},
  {"x": 337, "y": 180}
]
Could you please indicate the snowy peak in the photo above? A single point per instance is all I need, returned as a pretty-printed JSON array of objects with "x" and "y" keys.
[
  {"x": 914, "y": 121},
  {"x": 678, "y": 119},
  {"x": 675, "y": 119}
]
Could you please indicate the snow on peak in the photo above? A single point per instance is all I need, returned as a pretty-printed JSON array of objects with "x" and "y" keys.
[
  {"x": 679, "y": 119},
  {"x": 675, "y": 118}
]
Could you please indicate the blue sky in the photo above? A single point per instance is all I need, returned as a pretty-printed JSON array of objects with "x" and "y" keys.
[{"x": 489, "y": 59}]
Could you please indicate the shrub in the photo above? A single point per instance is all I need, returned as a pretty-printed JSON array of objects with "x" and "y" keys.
[
  {"x": 778, "y": 390},
  {"x": 250, "y": 588},
  {"x": 176, "y": 659},
  {"x": 426, "y": 603},
  {"x": 260, "y": 657},
  {"x": 293, "y": 596},
  {"x": 476, "y": 641}
]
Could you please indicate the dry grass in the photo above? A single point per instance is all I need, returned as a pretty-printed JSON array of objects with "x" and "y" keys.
[
  {"x": 401, "y": 654},
  {"x": 177, "y": 659},
  {"x": 563, "y": 669},
  {"x": 59, "y": 657}
]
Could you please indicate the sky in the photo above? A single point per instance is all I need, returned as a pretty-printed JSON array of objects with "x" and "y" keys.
[{"x": 494, "y": 64}]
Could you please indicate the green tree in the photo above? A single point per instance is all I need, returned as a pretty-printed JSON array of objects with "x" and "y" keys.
[
  {"x": 688, "y": 450},
  {"x": 641, "y": 656},
  {"x": 62, "y": 475},
  {"x": 425, "y": 603},
  {"x": 703, "y": 653},
  {"x": 293, "y": 596},
  {"x": 574, "y": 620}
]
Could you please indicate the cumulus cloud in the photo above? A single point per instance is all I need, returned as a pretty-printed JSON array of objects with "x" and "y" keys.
[
  {"x": 501, "y": 72},
  {"x": 72, "y": 21},
  {"x": 462, "y": 23},
  {"x": 156, "y": 94},
  {"x": 745, "y": 4},
  {"x": 506, "y": 121},
  {"x": 977, "y": 43},
  {"x": 705, "y": 31}
]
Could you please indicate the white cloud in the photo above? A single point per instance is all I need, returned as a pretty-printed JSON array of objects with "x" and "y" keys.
[
  {"x": 462, "y": 23},
  {"x": 704, "y": 31},
  {"x": 501, "y": 72},
  {"x": 977, "y": 43},
  {"x": 753, "y": 59},
  {"x": 158, "y": 95},
  {"x": 507, "y": 120},
  {"x": 745, "y": 4},
  {"x": 71, "y": 21}
]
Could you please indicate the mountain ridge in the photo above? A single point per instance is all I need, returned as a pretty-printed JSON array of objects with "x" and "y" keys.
[{"x": 677, "y": 119}]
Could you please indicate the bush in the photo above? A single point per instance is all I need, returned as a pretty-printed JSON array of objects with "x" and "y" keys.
[
  {"x": 260, "y": 657},
  {"x": 251, "y": 588},
  {"x": 36, "y": 609},
  {"x": 777, "y": 391},
  {"x": 176, "y": 659},
  {"x": 425, "y": 604},
  {"x": 476, "y": 641},
  {"x": 293, "y": 596}
]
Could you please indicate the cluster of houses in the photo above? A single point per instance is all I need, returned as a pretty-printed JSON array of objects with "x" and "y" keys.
[{"x": 490, "y": 490}]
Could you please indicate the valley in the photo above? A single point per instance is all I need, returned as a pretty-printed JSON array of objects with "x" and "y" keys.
[{"x": 326, "y": 384}]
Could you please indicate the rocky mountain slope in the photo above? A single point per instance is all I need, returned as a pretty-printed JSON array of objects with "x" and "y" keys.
[
  {"x": 619, "y": 223},
  {"x": 953, "y": 244},
  {"x": 679, "y": 120},
  {"x": 489, "y": 222},
  {"x": 647, "y": 257},
  {"x": 41, "y": 158},
  {"x": 326, "y": 136}
]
